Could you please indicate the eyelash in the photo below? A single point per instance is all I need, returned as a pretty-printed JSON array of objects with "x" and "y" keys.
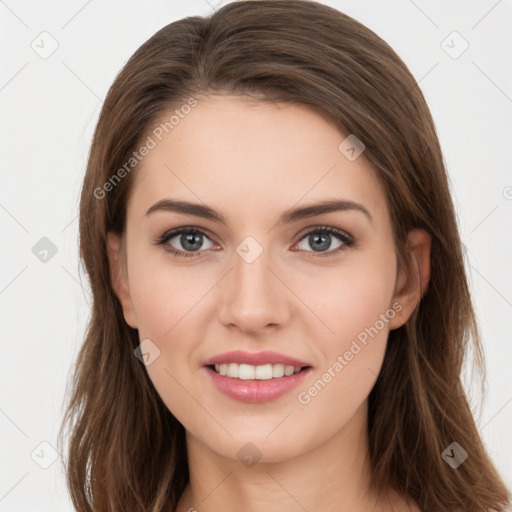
[{"x": 345, "y": 238}]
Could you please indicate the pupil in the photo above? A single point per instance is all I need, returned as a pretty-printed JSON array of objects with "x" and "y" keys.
[
  {"x": 188, "y": 240},
  {"x": 322, "y": 238}
]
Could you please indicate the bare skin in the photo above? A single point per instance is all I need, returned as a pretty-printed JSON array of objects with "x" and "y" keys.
[{"x": 251, "y": 162}]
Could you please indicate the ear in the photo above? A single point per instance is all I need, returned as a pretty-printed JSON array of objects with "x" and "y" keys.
[
  {"x": 119, "y": 277},
  {"x": 412, "y": 285}
]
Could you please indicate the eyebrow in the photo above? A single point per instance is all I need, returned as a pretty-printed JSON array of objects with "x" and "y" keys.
[{"x": 289, "y": 216}]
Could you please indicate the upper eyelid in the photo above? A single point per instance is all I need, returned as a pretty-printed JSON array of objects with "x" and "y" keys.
[
  {"x": 171, "y": 233},
  {"x": 332, "y": 230}
]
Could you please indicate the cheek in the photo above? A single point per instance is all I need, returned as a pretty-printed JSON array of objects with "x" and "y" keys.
[
  {"x": 348, "y": 298},
  {"x": 163, "y": 294},
  {"x": 356, "y": 306},
  {"x": 168, "y": 304}
]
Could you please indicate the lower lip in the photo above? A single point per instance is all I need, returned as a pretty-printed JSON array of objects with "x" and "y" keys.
[{"x": 256, "y": 390}]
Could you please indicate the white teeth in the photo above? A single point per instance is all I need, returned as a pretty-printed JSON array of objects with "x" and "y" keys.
[
  {"x": 232, "y": 370},
  {"x": 288, "y": 370},
  {"x": 262, "y": 372},
  {"x": 246, "y": 372},
  {"x": 278, "y": 370}
]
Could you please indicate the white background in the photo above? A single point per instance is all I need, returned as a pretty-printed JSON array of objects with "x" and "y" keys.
[{"x": 49, "y": 108}]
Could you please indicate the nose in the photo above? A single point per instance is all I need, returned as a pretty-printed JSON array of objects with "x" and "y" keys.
[{"x": 253, "y": 298}]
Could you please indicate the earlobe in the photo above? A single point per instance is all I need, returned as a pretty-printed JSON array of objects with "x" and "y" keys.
[
  {"x": 412, "y": 286},
  {"x": 119, "y": 277}
]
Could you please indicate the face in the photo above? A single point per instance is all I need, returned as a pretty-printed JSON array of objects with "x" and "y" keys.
[{"x": 320, "y": 289}]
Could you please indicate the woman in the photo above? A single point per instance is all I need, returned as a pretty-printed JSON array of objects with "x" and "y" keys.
[{"x": 281, "y": 309}]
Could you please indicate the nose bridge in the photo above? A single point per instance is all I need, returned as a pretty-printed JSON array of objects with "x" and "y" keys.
[
  {"x": 253, "y": 296},
  {"x": 251, "y": 273}
]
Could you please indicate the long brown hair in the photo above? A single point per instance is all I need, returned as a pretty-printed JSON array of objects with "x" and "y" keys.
[{"x": 126, "y": 450}]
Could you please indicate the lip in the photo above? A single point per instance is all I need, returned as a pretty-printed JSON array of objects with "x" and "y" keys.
[
  {"x": 256, "y": 390},
  {"x": 255, "y": 358}
]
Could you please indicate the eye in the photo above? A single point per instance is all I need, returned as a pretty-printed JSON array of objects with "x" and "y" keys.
[
  {"x": 321, "y": 239},
  {"x": 190, "y": 240}
]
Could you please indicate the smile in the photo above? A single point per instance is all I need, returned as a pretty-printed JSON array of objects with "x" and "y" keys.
[{"x": 263, "y": 388}]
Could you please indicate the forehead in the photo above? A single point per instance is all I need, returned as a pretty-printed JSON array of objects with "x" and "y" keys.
[{"x": 246, "y": 156}]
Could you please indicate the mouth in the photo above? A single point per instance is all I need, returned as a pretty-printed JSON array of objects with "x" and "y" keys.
[
  {"x": 255, "y": 376},
  {"x": 260, "y": 372},
  {"x": 256, "y": 384}
]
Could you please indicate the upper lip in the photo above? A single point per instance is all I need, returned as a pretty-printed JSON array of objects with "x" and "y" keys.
[{"x": 255, "y": 358}]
